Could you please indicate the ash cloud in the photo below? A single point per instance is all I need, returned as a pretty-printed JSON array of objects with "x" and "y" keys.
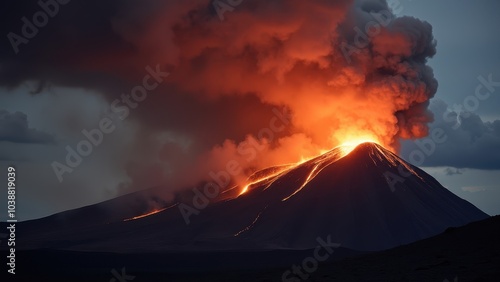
[{"x": 228, "y": 76}]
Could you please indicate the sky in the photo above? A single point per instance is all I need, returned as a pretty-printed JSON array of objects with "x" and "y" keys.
[
  {"x": 468, "y": 162},
  {"x": 262, "y": 83}
]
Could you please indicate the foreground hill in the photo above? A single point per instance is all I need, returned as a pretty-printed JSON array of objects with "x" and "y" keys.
[{"x": 469, "y": 253}]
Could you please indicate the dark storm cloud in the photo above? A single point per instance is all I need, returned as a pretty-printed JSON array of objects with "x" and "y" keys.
[
  {"x": 14, "y": 128},
  {"x": 228, "y": 76},
  {"x": 470, "y": 141},
  {"x": 78, "y": 36},
  {"x": 85, "y": 44},
  {"x": 92, "y": 44}
]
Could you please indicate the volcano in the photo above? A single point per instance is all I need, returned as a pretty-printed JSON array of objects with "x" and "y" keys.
[{"x": 366, "y": 199}]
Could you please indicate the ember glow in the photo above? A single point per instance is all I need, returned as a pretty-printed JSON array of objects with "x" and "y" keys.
[
  {"x": 145, "y": 215},
  {"x": 251, "y": 225},
  {"x": 350, "y": 145},
  {"x": 155, "y": 211},
  {"x": 268, "y": 178},
  {"x": 268, "y": 88},
  {"x": 318, "y": 163},
  {"x": 307, "y": 62}
]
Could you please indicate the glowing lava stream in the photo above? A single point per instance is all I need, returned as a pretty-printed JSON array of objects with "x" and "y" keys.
[
  {"x": 270, "y": 176},
  {"x": 320, "y": 162},
  {"x": 251, "y": 224},
  {"x": 305, "y": 182},
  {"x": 319, "y": 165},
  {"x": 155, "y": 211}
]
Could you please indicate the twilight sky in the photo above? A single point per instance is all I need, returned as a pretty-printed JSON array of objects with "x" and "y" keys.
[{"x": 217, "y": 84}]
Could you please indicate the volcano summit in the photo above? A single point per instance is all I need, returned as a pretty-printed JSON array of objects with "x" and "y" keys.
[{"x": 347, "y": 196}]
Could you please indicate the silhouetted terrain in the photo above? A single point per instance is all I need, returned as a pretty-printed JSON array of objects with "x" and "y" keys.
[{"x": 470, "y": 253}]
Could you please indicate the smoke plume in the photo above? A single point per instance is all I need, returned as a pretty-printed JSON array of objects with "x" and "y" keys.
[{"x": 342, "y": 69}]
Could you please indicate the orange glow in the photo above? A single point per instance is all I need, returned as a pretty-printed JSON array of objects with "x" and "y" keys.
[
  {"x": 321, "y": 97},
  {"x": 268, "y": 177},
  {"x": 343, "y": 150},
  {"x": 251, "y": 225},
  {"x": 351, "y": 144},
  {"x": 245, "y": 189},
  {"x": 311, "y": 175},
  {"x": 155, "y": 211}
]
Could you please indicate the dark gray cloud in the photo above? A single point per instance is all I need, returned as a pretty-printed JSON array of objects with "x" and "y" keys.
[
  {"x": 470, "y": 141},
  {"x": 99, "y": 53},
  {"x": 228, "y": 76},
  {"x": 14, "y": 128}
]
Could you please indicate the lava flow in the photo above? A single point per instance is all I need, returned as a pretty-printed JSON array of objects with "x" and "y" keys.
[
  {"x": 155, "y": 211},
  {"x": 318, "y": 163},
  {"x": 269, "y": 176}
]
